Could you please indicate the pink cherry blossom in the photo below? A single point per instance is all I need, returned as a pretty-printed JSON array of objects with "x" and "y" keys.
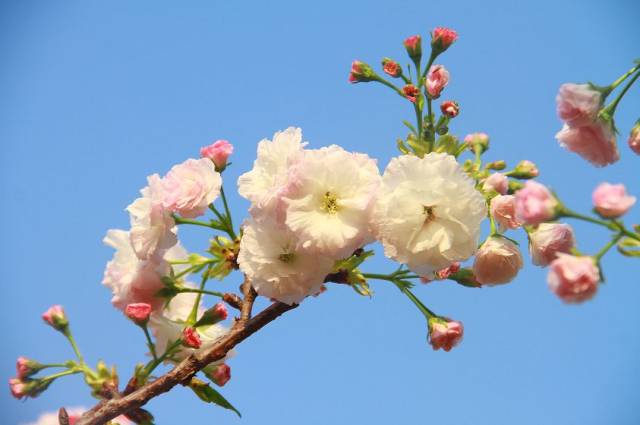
[
  {"x": 437, "y": 80},
  {"x": 549, "y": 239},
  {"x": 190, "y": 187},
  {"x": 190, "y": 338},
  {"x": 413, "y": 45},
  {"x": 503, "y": 211},
  {"x": 595, "y": 142},
  {"x": 498, "y": 182},
  {"x": 611, "y": 200},
  {"x": 138, "y": 312},
  {"x": 391, "y": 68},
  {"x": 442, "y": 38},
  {"x": 578, "y": 104},
  {"x": 218, "y": 152},
  {"x": 55, "y": 317},
  {"x": 535, "y": 203},
  {"x": 18, "y": 388},
  {"x": 573, "y": 279},
  {"x": 497, "y": 261},
  {"x": 445, "y": 333},
  {"x": 411, "y": 92},
  {"x": 450, "y": 108}
]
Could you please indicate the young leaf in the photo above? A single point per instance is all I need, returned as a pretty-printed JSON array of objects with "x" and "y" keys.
[{"x": 209, "y": 395}]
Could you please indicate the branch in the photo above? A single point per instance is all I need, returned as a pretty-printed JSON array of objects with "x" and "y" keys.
[{"x": 186, "y": 369}]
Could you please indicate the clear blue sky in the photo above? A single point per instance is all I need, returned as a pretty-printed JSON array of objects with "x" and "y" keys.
[{"x": 95, "y": 96}]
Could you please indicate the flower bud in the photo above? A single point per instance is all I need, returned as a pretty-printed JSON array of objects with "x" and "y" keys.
[
  {"x": 391, "y": 67},
  {"x": 215, "y": 314},
  {"x": 496, "y": 165},
  {"x": 525, "y": 170},
  {"x": 573, "y": 279},
  {"x": 191, "y": 338},
  {"x": 548, "y": 240},
  {"x": 477, "y": 139},
  {"x": 413, "y": 45},
  {"x": 503, "y": 211},
  {"x": 611, "y": 200},
  {"x": 634, "y": 138},
  {"x": 450, "y": 108},
  {"x": 138, "y": 313},
  {"x": 497, "y": 261},
  {"x": 442, "y": 38},
  {"x": 56, "y": 318},
  {"x": 18, "y": 388},
  {"x": 535, "y": 203},
  {"x": 448, "y": 271},
  {"x": 445, "y": 333},
  {"x": 437, "y": 80},
  {"x": 218, "y": 152},
  {"x": 411, "y": 92},
  {"x": 26, "y": 367},
  {"x": 497, "y": 182},
  {"x": 28, "y": 387},
  {"x": 361, "y": 73},
  {"x": 219, "y": 374}
]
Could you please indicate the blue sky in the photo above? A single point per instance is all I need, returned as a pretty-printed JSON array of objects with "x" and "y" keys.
[{"x": 95, "y": 96}]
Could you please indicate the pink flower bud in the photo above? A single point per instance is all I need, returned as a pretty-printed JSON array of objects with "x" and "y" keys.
[
  {"x": 18, "y": 388},
  {"x": 218, "y": 152},
  {"x": 578, "y": 104},
  {"x": 138, "y": 313},
  {"x": 497, "y": 261},
  {"x": 220, "y": 374},
  {"x": 548, "y": 240},
  {"x": 611, "y": 200},
  {"x": 445, "y": 333},
  {"x": 190, "y": 338},
  {"x": 26, "y": 367},
  {"x": 215, "y": 314},
  {"x": 391, "y": 68},
  {"x": 525, "y": 170},
  {"x": 448, "y": 271},
  {"x": 595, "y": 142},
  {"x": 437, "y": 80},
  {"x": 497, "y": 182},
  {"x": 56, "y": 318},
  {"x": 634, "y": 139},
  {"x": 503, "y": 211},
  {"x": 573, "y": 279},
  {"x": 450, "y": 108},
  {"x": 413, "y": 45},
  {"x": 360, "y": 73},
  {"x": 477, "y": 139},
  {"x": 411, "y": 92},
  {"x": 535, "y": 203},
  {"x": 442, "y": 38}
]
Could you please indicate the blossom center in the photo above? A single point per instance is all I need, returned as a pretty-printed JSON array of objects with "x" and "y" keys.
[
  {"x": 428, "y": 211},
  {"x": 329, "y": 203},
  {"x": 286, "y": 257}
]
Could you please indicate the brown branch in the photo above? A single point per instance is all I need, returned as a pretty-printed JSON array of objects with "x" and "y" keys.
[{"x": 185, "y": 370}]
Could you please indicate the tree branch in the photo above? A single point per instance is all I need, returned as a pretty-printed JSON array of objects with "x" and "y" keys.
[{"x": 186, "y": 369}]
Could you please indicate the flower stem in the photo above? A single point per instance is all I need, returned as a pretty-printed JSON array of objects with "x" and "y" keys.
[
  {"x": 423, "y": 308},
  {"x": 230, "y": 230},
  {"x": 61, "y": 374},
  {"x": 610, "y": 109},
  {"x": 201, "y": 291},
  {"x": 623, "y": 77},
  {"x": 180, "y": 220},
  {"x": 194, "y": 311},
  {"x": 152, "y": 346},
  {"x": 154, "y": 363},
  {"x": 608, "y": 246}
]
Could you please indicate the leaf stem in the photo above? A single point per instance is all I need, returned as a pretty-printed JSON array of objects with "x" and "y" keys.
[
  {"x": 194, "y": 311},
  {"x": 152, "y": 346},
  {"x": 608, "y": 246}
]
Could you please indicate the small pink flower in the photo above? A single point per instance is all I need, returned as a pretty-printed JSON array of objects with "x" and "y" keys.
[
  {"x": 220, "y": 375},
  {"x": 413, "y": 45},
  {"x": 411, "y": 92},
  {"x": 573, "y": 279},
  {"x": 497, "y": 182},
  {"x": 634, "y": 139},
  {"x": 55, "y": 317},
  {"x": 445, "y": 333},
  {"x": 138, "y": 313},
  {"x": 360, "y": 72},
  {"x": 525, "y": 170},
  {"x": 450, "y": 108},
  {"x": 578, "y": 104},
  {"x": 535, "y": 203},
  {"x": 437, "y": 80},
  {"x": 26, "y": 367},
  {"x": 190, "y": 187},
  {"x": 497, "y": 261},
  {"x": 18, "y": 388},
  {"x": 548, "y": 240},
  {"x": 503, "y": 211},
  {"x": 191, "y": 338},
  {"x": 481, "y": 139},
  {"x": 221, "y": 311},
  {"x": 611, "y": 200},
  {"x": 215, "y": 314},
  {"x": 442, "y": 38},
  {"x": 391, "y": 68},
  {"x": 218, "y": 152},
  {"x": 448, "y": 271},
  {"x": 595, "y": 142}
]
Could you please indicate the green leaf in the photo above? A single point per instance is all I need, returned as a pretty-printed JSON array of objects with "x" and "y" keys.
[
  {"x": 410, "y": 127},
  {"x": 210, "y": 395},
  {"x": 448, "y": 144}
]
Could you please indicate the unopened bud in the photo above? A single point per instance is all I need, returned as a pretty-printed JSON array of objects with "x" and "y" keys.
[
  {"x": 634, "y": 138},
  {"x": 56, "y": 318},
  {"x": 480, "y": 140},
  {"x": 525, "y": 170},
  {"x": 450, "y": 108},
  {"x": 191, "y": 338},
  {"x": 215, "y": 314},
  {"x": 496, "y": 165},
  {"x": 497, "y": 261},
  {"x": 391, "y": 67},
  {"x": 361, "y": 73},
  {"x": 413, "y": 45},
  {"x": 445, "y": 333},
  {"x": 411, "y": 92},
  {"x": 138, "y": 313},
  {"x": 442, "y": 39},
  {"x": 26, "y": 367},
  {"x": 219, "y": 374},
  {"x": 28, "y": 387},
  {"x": 218, "y": 152}
]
